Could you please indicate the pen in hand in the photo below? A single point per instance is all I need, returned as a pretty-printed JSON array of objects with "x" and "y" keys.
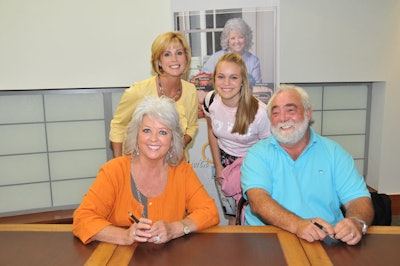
[
  {"x": 133, "y": 217},
  {"x": 320, "y": 226}
]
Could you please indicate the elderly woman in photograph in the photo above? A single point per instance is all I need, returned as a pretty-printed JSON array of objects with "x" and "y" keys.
[
  {"x": 150, "y": 194},
  {"x": 237, "y": 37}
]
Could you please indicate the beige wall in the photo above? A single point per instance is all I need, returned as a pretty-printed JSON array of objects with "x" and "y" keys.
[
  {"x": 72, "y": 43},
  {"x": 328, "y": 41},
  {"x": 77, "y": 44}
]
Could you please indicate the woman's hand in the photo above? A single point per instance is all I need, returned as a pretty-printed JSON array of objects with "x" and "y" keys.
[
  {"x": 159, "y": 232},
  {"x": 162, "y": 232},
  {"x": 218, "y": 173},
  {"x": 139, "y": 232},
  {"x": 186, "y": 140}
]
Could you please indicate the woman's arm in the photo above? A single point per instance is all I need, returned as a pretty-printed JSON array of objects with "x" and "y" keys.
[
  {"x": 117, "y": 148},
  {"x": 96, "y": 209},
  {"x": 137, "y": 232},
  {"x": 200, "y": 206},
  {"x": 213, "y": 142},
  {"x": 120, "y": 121},
  {"x": 191, "y": 106},
  {"x": 115, "y": 235}
]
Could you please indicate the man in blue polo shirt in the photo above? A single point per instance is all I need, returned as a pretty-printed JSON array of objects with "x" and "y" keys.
[{"x": 298, "y": 180}]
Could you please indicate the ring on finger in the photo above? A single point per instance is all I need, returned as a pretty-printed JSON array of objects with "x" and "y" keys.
[
  {"x": 134, "y": 232},
  {"x": 158, "y": 239},
  {"x": 352, "y": 235}
]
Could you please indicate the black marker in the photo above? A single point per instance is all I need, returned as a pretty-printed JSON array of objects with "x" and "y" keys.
[
  {"x": 319, "y": 226},
  {"x": 133, "y": 217}
]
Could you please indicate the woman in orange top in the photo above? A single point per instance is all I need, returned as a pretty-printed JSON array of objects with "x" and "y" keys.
[{"x": 151, "y": 182}]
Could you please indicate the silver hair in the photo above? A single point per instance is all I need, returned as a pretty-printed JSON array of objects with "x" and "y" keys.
[
  {"x": 240, "y": 25},
  {"x": 164, "y": 110},
  {"x": 305, "y": 99}
]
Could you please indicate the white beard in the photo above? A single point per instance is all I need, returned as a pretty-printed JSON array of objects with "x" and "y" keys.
[{"x": 291, "y": 136}]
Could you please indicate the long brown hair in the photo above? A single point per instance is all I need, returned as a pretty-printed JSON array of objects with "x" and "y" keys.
[{"x": 248, "y": 104}]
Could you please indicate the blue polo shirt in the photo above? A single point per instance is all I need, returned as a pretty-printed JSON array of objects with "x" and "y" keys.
[{"x": 323, "y": 178}]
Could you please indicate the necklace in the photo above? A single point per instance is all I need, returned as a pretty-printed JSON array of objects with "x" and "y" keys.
[
  {"x": 139, "y": 195},
  {"x": 178, "y": 92}
]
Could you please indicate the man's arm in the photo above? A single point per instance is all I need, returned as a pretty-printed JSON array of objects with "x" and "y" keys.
[
  {"x": 271, "y": 212},
  {"x": 361, "y": 208},
  {"x": 357, "y": 211}
]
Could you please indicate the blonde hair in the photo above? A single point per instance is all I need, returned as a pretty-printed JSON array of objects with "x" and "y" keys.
[{"x": 161, "y": 43}]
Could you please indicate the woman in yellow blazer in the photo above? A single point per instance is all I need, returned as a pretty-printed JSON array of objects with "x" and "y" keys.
[{"x": 170, "y": 59}]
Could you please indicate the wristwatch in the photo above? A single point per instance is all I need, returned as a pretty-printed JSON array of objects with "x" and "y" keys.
[
  {"x": 186, "y": 229},
  {"x": 364, "y": 225}
]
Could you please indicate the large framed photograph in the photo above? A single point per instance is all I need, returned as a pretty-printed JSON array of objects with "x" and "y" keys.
[{"x": 252, "y": 32}]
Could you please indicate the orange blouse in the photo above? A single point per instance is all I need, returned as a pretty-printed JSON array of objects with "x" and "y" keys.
[{"x": 110, "y": 198}]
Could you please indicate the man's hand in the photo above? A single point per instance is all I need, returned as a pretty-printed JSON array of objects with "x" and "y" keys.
[
  {"x": 316, "y": 229},
  {"x": 348, "y": 230}
]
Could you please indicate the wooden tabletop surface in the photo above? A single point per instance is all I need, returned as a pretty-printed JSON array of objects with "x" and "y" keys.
[{"x": 46, "y": 244}]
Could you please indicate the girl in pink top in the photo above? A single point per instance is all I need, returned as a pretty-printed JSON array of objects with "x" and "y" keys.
[{"x": 235, "y": 118}]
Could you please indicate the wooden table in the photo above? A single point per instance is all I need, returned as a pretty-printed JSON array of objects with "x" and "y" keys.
[
  {"x": 380, "y": 246},
  {"x": 54, "y": 244},
  {"x": 42, "y": 244},
  {"x": 220, "y": 245}
]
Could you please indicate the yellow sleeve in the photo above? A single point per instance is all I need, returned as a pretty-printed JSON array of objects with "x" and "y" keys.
[
  {"x": 189, "y": 102},
  {"x": 127, "y": 105}
]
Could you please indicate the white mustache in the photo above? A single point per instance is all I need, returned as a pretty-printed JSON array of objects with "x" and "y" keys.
[{"x": 286, "y": 124}]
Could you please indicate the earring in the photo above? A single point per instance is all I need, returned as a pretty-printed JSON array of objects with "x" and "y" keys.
[
  {"x": 160, "y": 67},
  {"x": 137, "y": 151},
  {"x": 170, "y": 154}
]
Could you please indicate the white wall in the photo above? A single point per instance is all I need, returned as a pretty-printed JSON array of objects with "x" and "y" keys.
[
  {"x": 76, "y": 44},
  {"x": 72, "y": 43},
  {"x": 329, "y": 41}
]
